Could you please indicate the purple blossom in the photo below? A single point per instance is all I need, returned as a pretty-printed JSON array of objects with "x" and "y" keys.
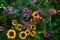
[
  {"x": 10, "y": 8},
  {"x": 39, "y": 12},
  {"x": 5, "y": 12},
  {"x": 51, "y": 11},
  {"x": 25, "y": 9},
  {"x": 46, "y": 35},
  {"x": 26, "y": 25},
  {"x": 29, "y": 13}
]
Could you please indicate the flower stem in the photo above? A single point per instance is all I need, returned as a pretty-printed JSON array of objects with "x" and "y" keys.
[{"x": 50, "y": 21}]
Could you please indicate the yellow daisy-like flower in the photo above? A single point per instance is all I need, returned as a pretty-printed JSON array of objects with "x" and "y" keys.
[
  {"x": 33, "y": 33},
  {"x": 33, "y": 27},
  {"x": 11, "y": 34},
  {"x": 28, "y": 32},
  {"x": 41, "y": 20},
  {"x": 23, "y": 35},
  {"x": 30, "y": 27},
  {"x": 14, "y": 22},
  {"x": 19, "y": 27},
  {"x": 35, "y": 15}
]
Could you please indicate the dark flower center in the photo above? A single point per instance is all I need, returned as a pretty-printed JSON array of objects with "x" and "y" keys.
[
  {"x": 29, "y": 26},
  {"x": 23, "y": 34},
  {"x": 14, "y": 22},
  {"x": 32, "y": 33},
  {"x": 19, "y": 27},
  {"x": 11, "y": 34},
  {"x": 27, "y": 32},
  {"x": 40, "y": 20},
  {"x": 32, "y": 26},
  {"x": 35, "y": 14},
  {"x": 46, "y": 34}
]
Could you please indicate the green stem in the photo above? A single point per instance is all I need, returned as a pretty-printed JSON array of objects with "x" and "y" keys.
[
  {"x": 45, "y": 24},
  {"x": 50, "y": 21}
]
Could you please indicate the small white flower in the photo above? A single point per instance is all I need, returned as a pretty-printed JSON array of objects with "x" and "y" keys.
[
  {"x": 1, "y": 29},
  {"x": 2, "y": 6}
]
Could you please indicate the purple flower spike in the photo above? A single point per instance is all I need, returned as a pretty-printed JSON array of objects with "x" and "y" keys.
[
  {"x": 46, "y": 35},
  {"x": 25, "y": 9},
  {"x": 5, "y": 12},
  {"x": 39, "y": 12},
  {"x": 26, "y": 25},
  {"x": 51, "y": 11}
]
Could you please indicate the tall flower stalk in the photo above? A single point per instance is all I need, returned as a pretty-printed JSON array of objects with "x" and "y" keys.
[{"x": 50, "y": 21}]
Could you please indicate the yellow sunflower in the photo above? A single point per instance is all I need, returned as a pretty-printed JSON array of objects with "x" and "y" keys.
[
  {"x": 28, "y": 32},
  {"x": 30, "y": 27},
  {"x": 19, "y": 27},
  {"x": 33, "y": 33},
  {"x": 11, "y": 34},
  {"x": 23, "y": 35},
  {"x": 14, "y": 22},
  {"x": 35, "y": 15},
  {"x": 33, "y": 27}
]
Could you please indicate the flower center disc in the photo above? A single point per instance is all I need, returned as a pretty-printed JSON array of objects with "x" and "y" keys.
[
  {"x": 22, "y": 34},
  {"x": 11, "y": 34}
]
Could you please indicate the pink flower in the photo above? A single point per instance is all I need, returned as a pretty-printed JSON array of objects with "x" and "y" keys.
[
  {"x": 5, "y": 12},
  {"x": 46, "y": 35},
  {"x": 51, "y": 11},
  {"x": 39, "y": 12},
  {"x": 26, "y": 25},
  {"x": 25, "y": 9},
  {"x": 29, "y": 13}
]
